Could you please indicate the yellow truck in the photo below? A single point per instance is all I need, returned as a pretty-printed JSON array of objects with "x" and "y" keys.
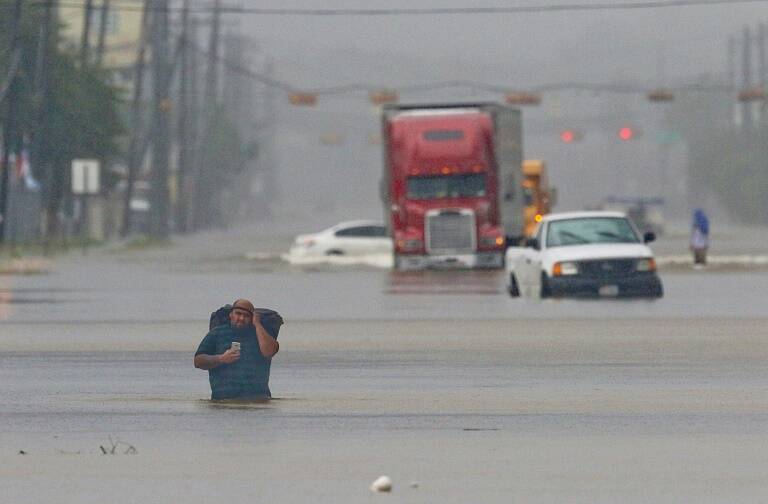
[{"x": 538, "y": 197}]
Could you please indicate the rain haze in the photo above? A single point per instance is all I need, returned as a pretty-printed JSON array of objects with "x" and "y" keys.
[
  {"x": 518, "y": 250},
  {"x": 647, "y": 48}
]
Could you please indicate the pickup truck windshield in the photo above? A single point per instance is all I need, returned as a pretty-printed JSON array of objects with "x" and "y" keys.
[
  {"x": 588, "y": 230},
  {"x": 446, "y": 186}
]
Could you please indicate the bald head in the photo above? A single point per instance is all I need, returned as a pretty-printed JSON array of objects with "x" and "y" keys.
[{"x": 241, "y": 314}]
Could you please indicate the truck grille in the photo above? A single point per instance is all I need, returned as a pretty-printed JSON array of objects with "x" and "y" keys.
[
  {"x": 451, "y": 232},
  {"x": 607, "y": 268}
]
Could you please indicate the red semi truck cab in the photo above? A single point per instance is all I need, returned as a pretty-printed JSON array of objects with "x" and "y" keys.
[{"x": 451, "y": 178}]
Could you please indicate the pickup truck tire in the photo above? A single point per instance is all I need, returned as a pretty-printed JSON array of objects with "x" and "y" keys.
[
  {"x": 513, "y": 289},
  {"x": 545, "y": 290},
  {"x": 335, "y": 252}
]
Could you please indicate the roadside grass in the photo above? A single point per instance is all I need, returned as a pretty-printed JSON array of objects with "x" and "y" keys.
[
  {"x": 143, "y": 242},
  {"x": 36, "y": 258},
  {"x": 39, "y": 248}
]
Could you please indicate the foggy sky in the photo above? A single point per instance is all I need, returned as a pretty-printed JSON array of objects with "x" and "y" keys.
[{"x": 648, "y": 47}]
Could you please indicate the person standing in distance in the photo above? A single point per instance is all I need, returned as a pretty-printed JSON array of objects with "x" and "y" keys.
[
  {"x": 238, "y": 355},
  {"x": 699, "y": 238}
]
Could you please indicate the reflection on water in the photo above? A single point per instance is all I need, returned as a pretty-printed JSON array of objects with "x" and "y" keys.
[
  {"x": 454, "y": 282},
  {"x": 114, "y": 293}
]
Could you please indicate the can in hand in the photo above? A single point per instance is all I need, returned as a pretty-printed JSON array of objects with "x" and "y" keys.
[{"x": 236, "y": 346}]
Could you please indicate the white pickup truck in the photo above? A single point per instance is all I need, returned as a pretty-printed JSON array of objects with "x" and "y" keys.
[{"x": 584, "y": 254}]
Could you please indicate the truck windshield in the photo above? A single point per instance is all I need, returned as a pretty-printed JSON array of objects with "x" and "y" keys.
[
  {"x": 446, "y": 186},
  {"x": 590, "y": 230}
]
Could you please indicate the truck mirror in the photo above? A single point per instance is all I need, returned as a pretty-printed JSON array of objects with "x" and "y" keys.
[
  {"x": 553, "y": 196},
  {"x": 649, "y": 237},
  {"x": 533, "y": 243}
]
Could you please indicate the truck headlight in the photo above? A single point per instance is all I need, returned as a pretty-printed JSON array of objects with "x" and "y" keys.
[
  {"x": 646, "y": 265},
  {"x": 565, "y": 268}
]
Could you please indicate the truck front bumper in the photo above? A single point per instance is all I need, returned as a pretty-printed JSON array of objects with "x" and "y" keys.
[
  {"x": 458, "y": 261},
  {"x": 636, "y": 285}
]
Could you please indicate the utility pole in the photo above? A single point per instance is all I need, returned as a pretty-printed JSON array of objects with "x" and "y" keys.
[
  {"x": 209, "y": 107},
  {"x": 232, "y": 103},
  {"x": 763, "y": 133},
  {"x": 86, "y": 35},
  {"x": 761, "y": 54},
  {"x": 761, "y": 39},
  {"x": 192, "y": 129},
  {"x": 231, "y": 92},
  {"x": 730, "y": 75},
  {"x": 38, "y": 159},
  {"x": 746, "y": 69},
  {"x": 185, "y": 148},
  {"x": 162, "y": 106},
  {"x": 271, "y": 188},
  {"x": 10, "y": 133},
  {"x": 104, "y": 18},
  {"x": 136, "y": 129},
  {"x": 663, "y": 146}
]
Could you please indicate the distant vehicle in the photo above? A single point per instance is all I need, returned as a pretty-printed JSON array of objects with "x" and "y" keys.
[
  {"x": 347, "y": 238},
  {"x": 451, "y": 185},
  {"x": 538, "y": 196},
  {"x": 595, "y": 253},
  {"x": 646, "y": 213}
]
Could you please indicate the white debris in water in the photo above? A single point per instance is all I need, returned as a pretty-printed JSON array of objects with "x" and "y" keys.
[
  {"x": 382, "y": 484},
  {"x": 374, "y": 260},
  {"x": 261, "y": 256},
  {"x": 735, "y": 260}
]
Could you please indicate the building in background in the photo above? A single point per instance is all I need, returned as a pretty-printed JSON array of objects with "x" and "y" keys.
[{"x": 121, "y": 36}]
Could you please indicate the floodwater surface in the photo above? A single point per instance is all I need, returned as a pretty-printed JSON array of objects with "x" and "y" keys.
[{"x": 438, "y": 380}]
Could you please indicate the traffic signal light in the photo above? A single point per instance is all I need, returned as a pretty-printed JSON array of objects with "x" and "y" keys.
[
  {"x": 523, "y": 98},
  {"x": 383, "y": 96},
  {"x": 661, "y": 95},
  {"x": 752, "y": 94},
  {"x": 570, "y": 136},
  {"x": 303, "y": 99},
  {"x": 331, "y": 139},
  {"x": 626, "y": 133}
]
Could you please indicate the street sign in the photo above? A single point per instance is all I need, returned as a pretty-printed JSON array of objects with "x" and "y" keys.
[{"x": 85, "y": 176}]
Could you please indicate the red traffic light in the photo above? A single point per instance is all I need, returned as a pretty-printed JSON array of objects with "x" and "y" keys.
[
  {"x": 626, "y": 133},
  {"x": 571, "y": 135}
]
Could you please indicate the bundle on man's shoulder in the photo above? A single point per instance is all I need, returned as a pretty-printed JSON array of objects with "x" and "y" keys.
[{"x": 270, "y": 319}]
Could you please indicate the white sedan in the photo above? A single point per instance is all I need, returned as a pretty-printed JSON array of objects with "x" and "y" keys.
[
  {"x": 347, "y": 238},
  {"x": 584, "y": 253}
]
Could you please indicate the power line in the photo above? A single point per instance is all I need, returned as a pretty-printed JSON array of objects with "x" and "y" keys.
[
  {"x": 532, "y": 9},
  {"x": 432, "y": 86},
  {"x": 362, "y": 87}
]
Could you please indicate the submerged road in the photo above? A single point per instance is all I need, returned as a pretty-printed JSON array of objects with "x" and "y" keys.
[{"x": 438, "y": 380}]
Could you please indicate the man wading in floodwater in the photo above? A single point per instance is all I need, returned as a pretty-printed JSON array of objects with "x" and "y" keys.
[{"x": 238, "y": 355}]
